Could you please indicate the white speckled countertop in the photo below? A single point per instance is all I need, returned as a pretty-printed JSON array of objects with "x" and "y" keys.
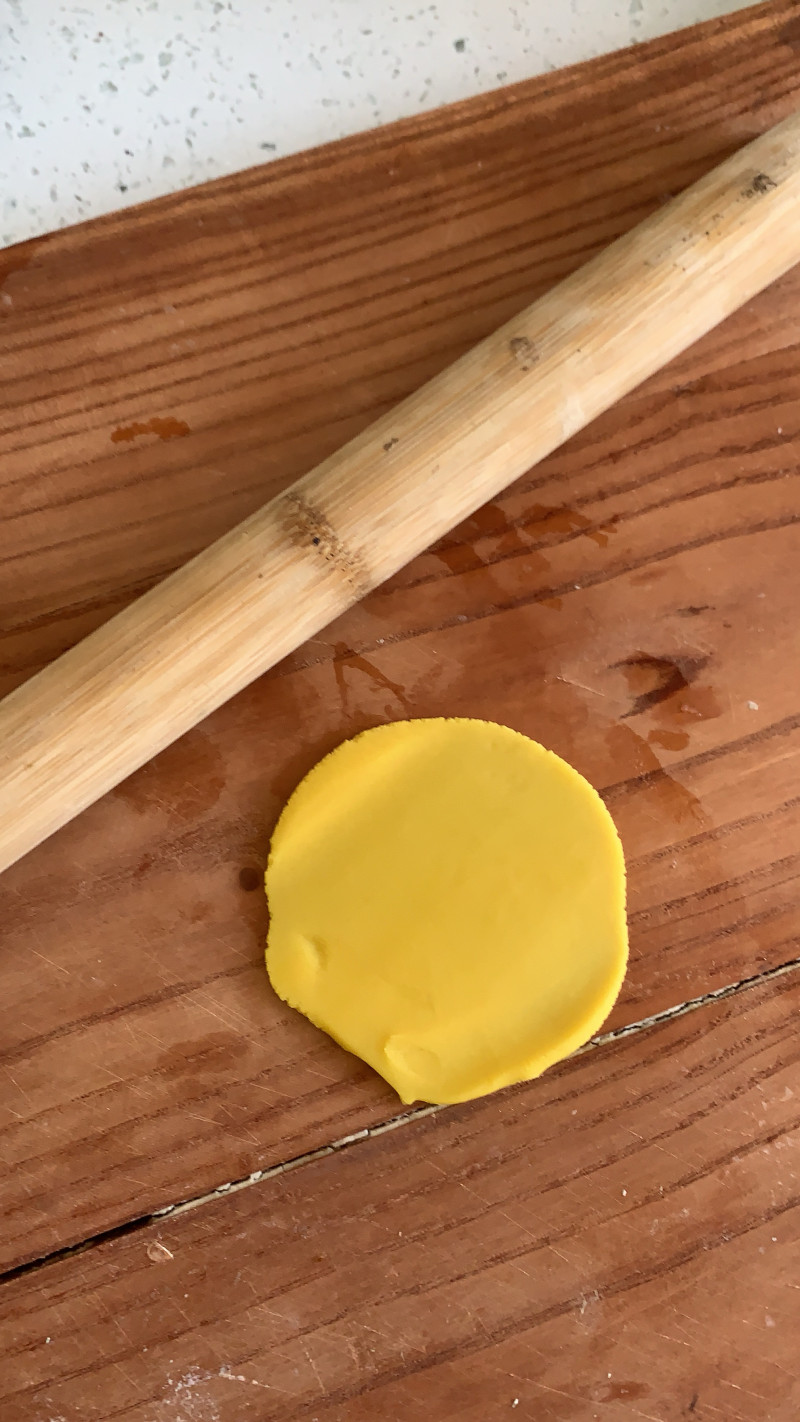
[{"x": 109, "y": 102}]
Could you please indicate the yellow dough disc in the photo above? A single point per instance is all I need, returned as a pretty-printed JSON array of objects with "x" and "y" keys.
[{"x": 447, "y": 900}]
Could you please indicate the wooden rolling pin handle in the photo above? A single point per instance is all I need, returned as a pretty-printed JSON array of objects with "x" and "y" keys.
[{"x": 108, "y": 705}]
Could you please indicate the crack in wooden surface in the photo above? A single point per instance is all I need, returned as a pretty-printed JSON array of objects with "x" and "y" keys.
[{"x": 393, "y": 1123}]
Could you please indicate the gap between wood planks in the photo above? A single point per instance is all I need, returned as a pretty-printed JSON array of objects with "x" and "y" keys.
[{"x": 417, "y": 1113}]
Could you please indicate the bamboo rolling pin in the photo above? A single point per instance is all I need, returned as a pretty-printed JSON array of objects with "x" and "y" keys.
[{"x": 137, "y": 683}]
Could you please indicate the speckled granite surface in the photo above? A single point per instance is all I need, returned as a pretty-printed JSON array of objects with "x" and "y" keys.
[{"x": 107, "y": 104}]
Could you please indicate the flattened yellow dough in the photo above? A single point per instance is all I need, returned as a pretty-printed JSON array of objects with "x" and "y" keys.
[{"x": 447, "y": 900}]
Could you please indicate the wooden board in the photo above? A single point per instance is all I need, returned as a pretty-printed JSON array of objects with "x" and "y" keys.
[
  {"x": 620, "y": 1241},
  {"x": 631, "y": 602}
]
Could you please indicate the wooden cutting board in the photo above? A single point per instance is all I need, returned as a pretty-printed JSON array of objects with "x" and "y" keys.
[{"x": 632, "y": 603}]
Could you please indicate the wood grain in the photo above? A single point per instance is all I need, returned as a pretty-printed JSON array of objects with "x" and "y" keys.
[
  {"x": 631, "y": 603},
  {"x": 619, "y": 1240}
]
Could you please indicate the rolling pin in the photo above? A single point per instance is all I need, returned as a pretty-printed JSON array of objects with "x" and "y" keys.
[{"x": 113, "y": 701}]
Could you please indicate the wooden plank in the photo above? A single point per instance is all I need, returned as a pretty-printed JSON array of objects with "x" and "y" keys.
[
  {"x": 631, "y": 602},
  {"x": 621, "y": 1239}
]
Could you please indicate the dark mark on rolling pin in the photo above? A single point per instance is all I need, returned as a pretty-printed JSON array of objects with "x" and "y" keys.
[
  {"x": 761, "y": 184},
  {"x": 308, "y": 525},
  {"x": 524, "y": 352}
]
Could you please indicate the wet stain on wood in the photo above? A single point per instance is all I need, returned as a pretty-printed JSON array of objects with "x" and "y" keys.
[
  {"x": 345, "y": 657},
  {"x": 668, "y": 740},
  {"x": 569, "y": 521},
  {"x": 674, "y": 800},
  {"x": 655, "y": 680},
  {"x": 165, "y": 427}
]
